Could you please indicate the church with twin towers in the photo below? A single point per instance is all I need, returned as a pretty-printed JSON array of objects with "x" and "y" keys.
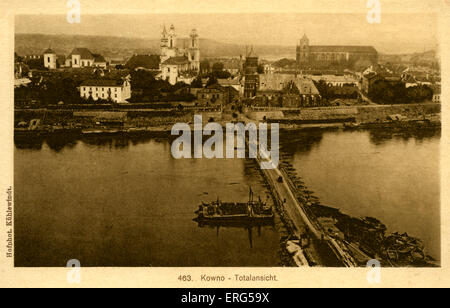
[{"x": 176, "y": 62}]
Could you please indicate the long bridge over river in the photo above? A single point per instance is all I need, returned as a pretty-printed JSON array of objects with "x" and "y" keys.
[{"x": 326, "y": 250}]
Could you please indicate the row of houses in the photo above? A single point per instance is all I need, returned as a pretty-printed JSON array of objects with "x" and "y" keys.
[
  {"x": 286, "y": 90},
  {"x": 78, "y": 58},
  {"x": 410, "y": 79}
]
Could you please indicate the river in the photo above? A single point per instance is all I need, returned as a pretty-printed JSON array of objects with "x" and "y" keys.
[
  {"x": 392, "y": 176},
  {"x": 118, "y": 201}
]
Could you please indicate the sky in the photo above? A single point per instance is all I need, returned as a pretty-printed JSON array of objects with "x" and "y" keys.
[{"x": 406, "y": 26}]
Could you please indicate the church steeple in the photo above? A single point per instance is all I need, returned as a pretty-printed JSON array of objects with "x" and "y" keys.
[
  {"x": 172, "y": 37},
  {"x": 194, "y": 43},
  {"x": 164, "y": 39},
  {"x": 194, "y": 50},
  {"x": 303, "y": 52},
  {"x": 304, "y": 41}
]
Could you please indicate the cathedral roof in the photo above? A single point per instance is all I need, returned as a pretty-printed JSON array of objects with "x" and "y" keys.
[
  {"x": 145, "y": 61},
  {"x": 102, "y": 83},
  {"x": 351, "y": 49},
  {"x": 49, "y": 51},
  {"x": 176, "y": 61},
  {"x": 84, "y": 53}
]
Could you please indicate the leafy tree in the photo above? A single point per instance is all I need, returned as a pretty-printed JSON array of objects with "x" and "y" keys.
[
  {"x": 285, "y": 63},
  {"x": 260, "y": 69},
  {"x": 35, "y": 64},
  {"x": 211, "y": 81},
  {"x": 217, "y": 67},
  {"x": 385, "y": 92},
  {"x": 221, "y": 74},
  {"x": 204, "y": 66},
  {"x": 419, "y": 93},
  {"x": 197, "y": 82},
  {"x": 323, "y": 89},
  {"x": 142, "y": 80}
]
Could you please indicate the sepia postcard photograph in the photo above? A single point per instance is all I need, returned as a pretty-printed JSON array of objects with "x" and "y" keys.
[{"x": 197, "y": 134}]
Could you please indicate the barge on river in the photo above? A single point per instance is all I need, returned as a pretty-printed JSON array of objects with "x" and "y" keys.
[{"x": 251, "y": 212}]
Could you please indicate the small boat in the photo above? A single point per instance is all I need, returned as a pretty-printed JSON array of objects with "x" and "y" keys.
[{"x": 100, "y": 131}]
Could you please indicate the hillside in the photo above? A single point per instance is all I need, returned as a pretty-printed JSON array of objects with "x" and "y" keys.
[
  {"x": 122, "y": 47},
  {"x": 430, "y": 56}
]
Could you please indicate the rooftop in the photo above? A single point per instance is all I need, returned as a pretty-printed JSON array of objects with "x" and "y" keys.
[
  {"x": 176, "y": 61},
  {"x": 278, "y": 82},
  {"x": 228, "y": 82},
  {"x": 49, "y": 51},
  {"x": 353, "y": 49},
  {"x": 144, "y": 61},
  {"x": 102, "y": 83},
  {"x": 84, "y": 53},
  {"x": 333, "y": 78}
]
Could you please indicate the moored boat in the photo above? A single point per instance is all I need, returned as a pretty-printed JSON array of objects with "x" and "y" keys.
[{"x": 245, "y": 212}]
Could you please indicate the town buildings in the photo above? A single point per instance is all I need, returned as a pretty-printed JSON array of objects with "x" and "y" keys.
[
  {"x": 217, "y": 95},
  {"x": 378, "y": 72},
  {"x": 212, "y": 96},
  {"x": 287, "y": 90},
  {"x": 312, "y": 56},
  {"x": 116, "y": 90},
  {"x": 336, "y": 80},
  {"x": 235, "y": 83},
  {"x": 179, "y": 63},
  {"x": 83, "y": 57},
  {"x": 233, "y": 66}
]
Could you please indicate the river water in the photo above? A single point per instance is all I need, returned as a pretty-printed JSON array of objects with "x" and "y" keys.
[
  {"x": 392, "y": 176},
  {"x": 117, "y": 201}
]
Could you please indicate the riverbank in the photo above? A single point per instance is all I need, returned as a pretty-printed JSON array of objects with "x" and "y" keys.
[
  {"x": 343, "y": 114},
  {"x": 414, "y": 116}
]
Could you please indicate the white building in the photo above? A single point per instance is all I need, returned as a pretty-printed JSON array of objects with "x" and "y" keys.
[
  {"x": 335, "y": 80},
  {"x": 83, "y": 57},
  {"x": 173, "y": 68},
  {"x": 50, "y": 59},
  {"x": 175, "y": 61},
  {"x": 437, "y": 96},
  {"x": 118, "y": 90}
]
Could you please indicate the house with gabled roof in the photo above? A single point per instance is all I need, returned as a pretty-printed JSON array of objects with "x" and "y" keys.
[
  {"x": 83, "y": 57},
  {"x": 117, "y": 90},
  {"x": 287, "y": 90},
  {"x": 172, "y": 68}
]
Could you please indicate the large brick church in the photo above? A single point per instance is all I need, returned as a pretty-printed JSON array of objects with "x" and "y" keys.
[{"x": 317, "y": 56}]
